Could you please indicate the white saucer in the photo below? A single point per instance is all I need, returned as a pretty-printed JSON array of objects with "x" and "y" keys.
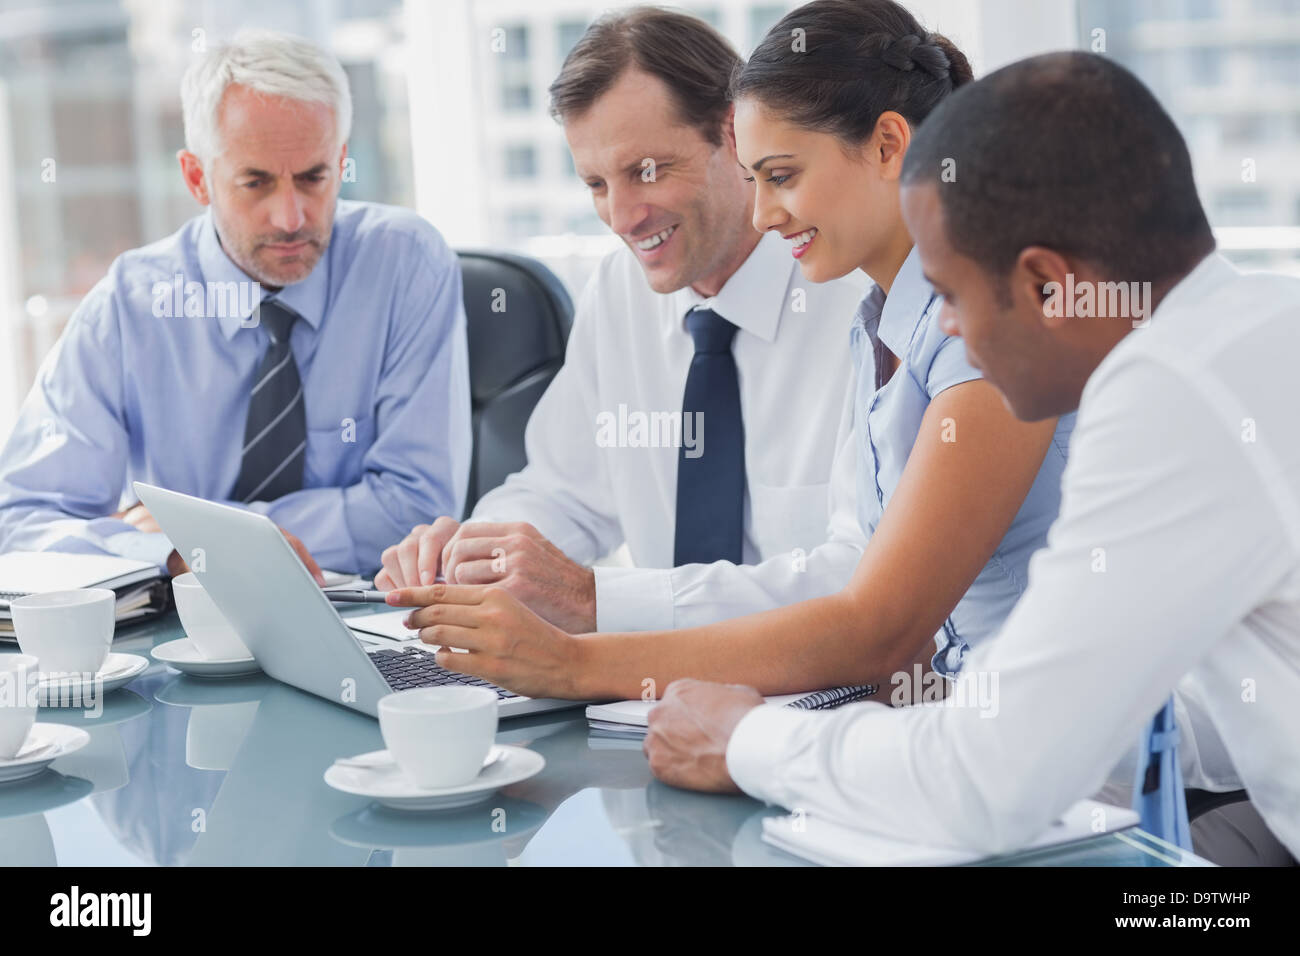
[
  {"x": 185, "y": 657},
  {"x": 45, "y": 744},
  {"x": 118, "y": 670},
  {"x": 387, "y": 784}
]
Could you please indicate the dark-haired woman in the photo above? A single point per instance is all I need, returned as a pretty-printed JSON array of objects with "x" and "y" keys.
[{"x": 955, "y": 493}]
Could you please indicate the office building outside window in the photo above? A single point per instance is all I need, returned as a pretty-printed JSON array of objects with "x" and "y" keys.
[
  {"x": 1228, "y": 71},
  {"x": 450, "y": 117}
]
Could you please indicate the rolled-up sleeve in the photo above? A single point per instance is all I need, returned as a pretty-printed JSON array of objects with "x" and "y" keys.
[
  {"x": 949, "y": 365},
  {"x": 64, "y": 465}
]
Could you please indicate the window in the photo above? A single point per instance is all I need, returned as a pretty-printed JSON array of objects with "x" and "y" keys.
[
  {"x": 523, "y": 223},
  {"x": 1246, "y": 129},
  {"x": 761, "y": 20},
  {"x": 1227, "y": 71},
  {"x": 1179, "y": 10},
  {"x": 1278, "y": 65},
  {"x": 1241, "y": 206},
  {"x": 1202, "y": 9},
  {"x": 510, "y": 58},
  {"x": 709, "y": 15},
  {"x": 1202, "y": 67},
  {"x": 1276, "y": 8},
  {"x": 521, "y": 162},
  {"x": 586, "y": 223},
  {"x": 567, "y": 34},
  {"x": 514, "y": 43},
  {"x": 516, "y": 97}
]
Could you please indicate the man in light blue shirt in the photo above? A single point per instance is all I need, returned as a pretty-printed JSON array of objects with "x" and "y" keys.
[{"x": 287, "y": 352}]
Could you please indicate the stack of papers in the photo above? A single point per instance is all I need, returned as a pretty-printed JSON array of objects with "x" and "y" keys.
[
  {"x": 381, "y": 627},
  {"x": 833, "y": 844},
  {"x": 30, "y": 572},
  {"x": 626, "y": 719}
]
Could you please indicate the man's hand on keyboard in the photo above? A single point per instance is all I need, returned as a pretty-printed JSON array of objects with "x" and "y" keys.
[{"x": 507, "y": 644}]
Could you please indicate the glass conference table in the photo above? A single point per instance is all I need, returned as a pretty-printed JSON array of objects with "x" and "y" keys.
[{"x": 230, "y": 772}]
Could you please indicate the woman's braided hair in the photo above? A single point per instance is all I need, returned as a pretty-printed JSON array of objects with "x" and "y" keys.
[{"x": 835, "y": 65}]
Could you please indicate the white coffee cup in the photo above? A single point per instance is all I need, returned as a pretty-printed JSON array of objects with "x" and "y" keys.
[
  {"x": 17, "y": 708},
  {"x": 203, "y": 621},
  {"x": 439, "y": 736},
  {"x": 69, "y": 632}
]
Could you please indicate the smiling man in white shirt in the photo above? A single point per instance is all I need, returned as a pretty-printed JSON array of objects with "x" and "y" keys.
[
  {"x": 1175, "y": 562},
  {"x": 697, "y": 312}
]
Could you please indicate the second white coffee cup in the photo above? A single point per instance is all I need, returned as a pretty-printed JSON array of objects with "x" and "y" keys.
[
  {"x": 69, "y": 632},
  {"x": 203, "y": 621},
  {"x": 439, "y": 736},
  {"x": 17, "y": 708}
]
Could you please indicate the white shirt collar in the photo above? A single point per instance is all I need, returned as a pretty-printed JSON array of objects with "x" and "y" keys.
[
  {"x": 754, "y": 297},
  {"x": 1210, "y": 273},
  {"x": 892, "y": 318}
]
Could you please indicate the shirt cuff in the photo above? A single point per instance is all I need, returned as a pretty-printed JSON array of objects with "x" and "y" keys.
[
  {"x": 151, "y": 546},
  {"x": 634, "y": 599},
  {"x": 764, "y": 740}
]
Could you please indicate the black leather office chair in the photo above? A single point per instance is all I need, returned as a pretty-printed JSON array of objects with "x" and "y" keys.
[
  {"x": 519, "y": 315},
  {"x": 1203, "y": 801}
]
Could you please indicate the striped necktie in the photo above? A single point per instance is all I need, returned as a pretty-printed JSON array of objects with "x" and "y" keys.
[
  {"x": 1158, "y": 790},
  {"x": 275, "y": 435},
  {"x": 711, "y": 477}
]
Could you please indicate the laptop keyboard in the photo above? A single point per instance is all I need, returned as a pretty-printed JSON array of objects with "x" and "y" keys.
[{"x": 412, "y": 667}]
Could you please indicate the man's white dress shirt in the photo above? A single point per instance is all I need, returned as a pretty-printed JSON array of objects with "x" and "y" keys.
[
  {"x": 1175, "y": 561},
  {"x": 595, "y": 477}
]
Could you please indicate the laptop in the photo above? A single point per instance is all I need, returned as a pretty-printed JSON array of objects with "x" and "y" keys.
[{"x": 280, "y": 612}]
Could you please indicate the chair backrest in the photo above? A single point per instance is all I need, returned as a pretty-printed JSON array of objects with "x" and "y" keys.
[{"x": 519, "y": 315}]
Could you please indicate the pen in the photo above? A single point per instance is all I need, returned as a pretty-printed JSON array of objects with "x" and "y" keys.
[{"x": 357, "y": 597}]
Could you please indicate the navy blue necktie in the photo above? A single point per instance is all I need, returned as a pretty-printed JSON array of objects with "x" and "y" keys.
[
  {"x": 1158, "y": 790},
  {"x": 275, "y": 432},
  {"x": 711, "y": 476}
]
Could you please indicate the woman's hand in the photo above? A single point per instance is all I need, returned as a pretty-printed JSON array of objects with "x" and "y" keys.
[{"x": 507, "y": 644}]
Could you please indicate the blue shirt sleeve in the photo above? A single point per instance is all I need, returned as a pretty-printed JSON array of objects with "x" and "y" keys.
[
  {"x": 943, "y": 356},
  {"x": 63, "y": 469}
]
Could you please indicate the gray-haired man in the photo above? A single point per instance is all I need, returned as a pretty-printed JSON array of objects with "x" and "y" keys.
[
  {"x": 297, "y": 355},
  {"x": 697, "y": 312}
]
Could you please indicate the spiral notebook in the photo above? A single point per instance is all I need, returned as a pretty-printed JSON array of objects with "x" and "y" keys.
[{"x": 626, "y": 719}]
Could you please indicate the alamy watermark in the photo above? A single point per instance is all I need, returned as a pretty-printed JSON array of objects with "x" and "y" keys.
[
  {"x": 637, "y": 429},
  {"x": 1088, "y": 300},
  {"x": 31, "y": 688},
  {"x": 75, "y": 908},
  {"x": 178, "y": 298},
  {"x": 976, "y": 689}
]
